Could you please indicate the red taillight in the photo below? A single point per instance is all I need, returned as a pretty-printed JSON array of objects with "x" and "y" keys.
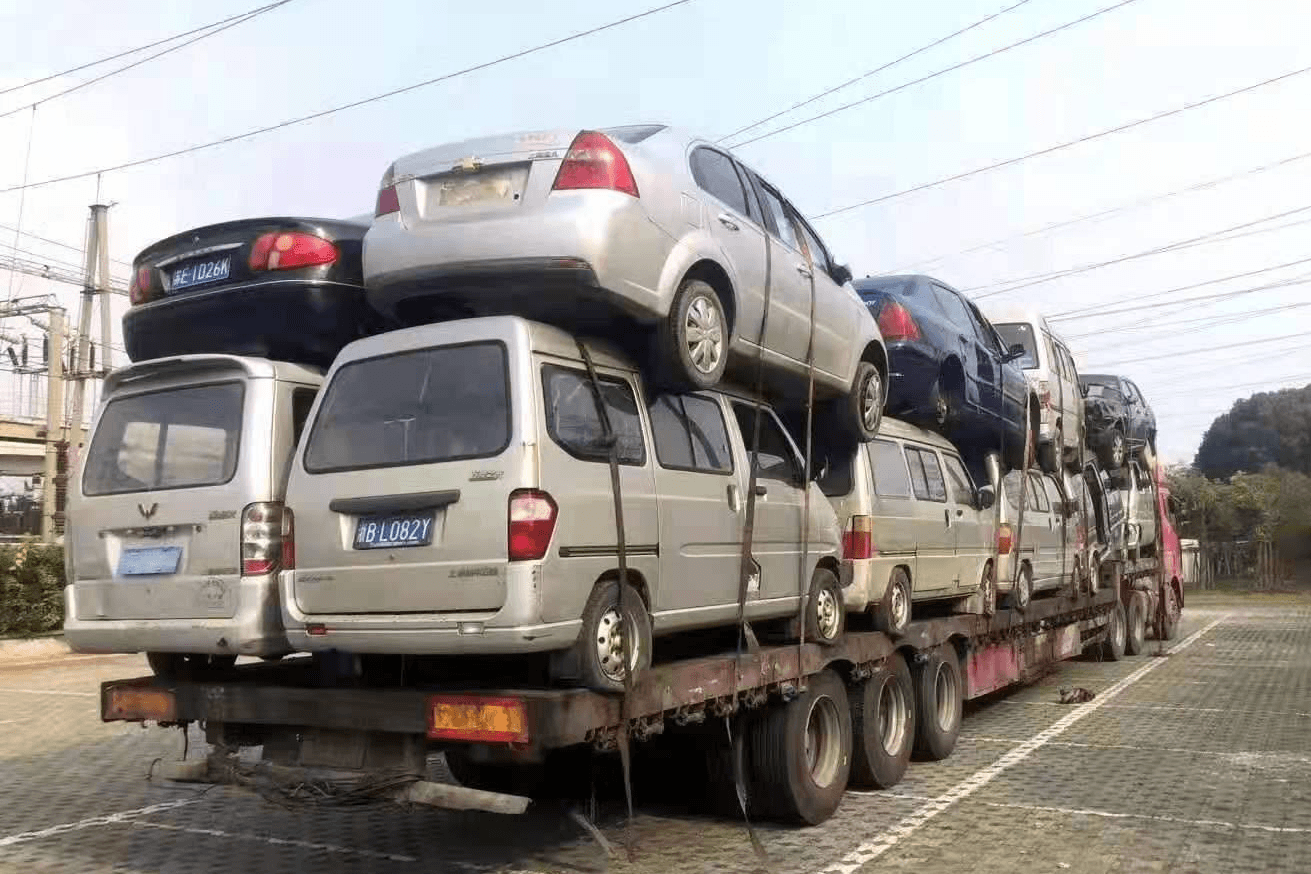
[
  {"x": 286, "y": 250},
  {"x": 532, "y": 522},
  {"x": 139, "y": 289},
  {"x": 268, "y": 539},
  {"x": 388, "y": 202},
  {"x": 1005, "y": 539},
  {"x": 896, "y": 323},
  {"x": 593, "y": 161},
  {"x": 858, "y": 539}
]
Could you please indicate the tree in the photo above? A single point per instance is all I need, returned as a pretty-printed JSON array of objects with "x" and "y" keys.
[{"x": 1267, "y": 428}]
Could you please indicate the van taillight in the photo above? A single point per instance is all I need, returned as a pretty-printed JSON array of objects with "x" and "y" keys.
[
  {"x": 268, "y": 539},
  {"x": 531, "y": 524},
  {"x": 1005, "y": 539},
  {"x": 896, "y": 323},
  {"x": 287, "y": 250},
  {"x": 858, "y": 539},
  {"x": 593, "y": 161}
]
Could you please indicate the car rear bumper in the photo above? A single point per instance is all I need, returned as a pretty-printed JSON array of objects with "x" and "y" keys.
[{"x": 289, "y": 319}]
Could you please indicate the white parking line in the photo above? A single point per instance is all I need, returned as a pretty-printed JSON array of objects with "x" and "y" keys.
[
  {"x": 268, "y": 839},
  {"x": 917, "y": 819},
  {"x": 1221, "y": 754},
  {"x": 56, "y": 661},
  {"x": 107, "y": 819},
  {"x": 53, "y": 692},
  {"x": 1180, "y": 707}
]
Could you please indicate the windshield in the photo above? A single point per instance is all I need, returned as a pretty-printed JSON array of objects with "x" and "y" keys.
[
  {"x": 171, "y": 439},
  {"x": 420, "y": 407},
  {"x": 1020, "y": 334}
]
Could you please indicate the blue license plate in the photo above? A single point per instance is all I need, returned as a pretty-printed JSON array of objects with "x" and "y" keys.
[
  {"x": 394, "y": 530},
  {"x": 149, "y": 560},
  {"x": 201, "y": 272}
]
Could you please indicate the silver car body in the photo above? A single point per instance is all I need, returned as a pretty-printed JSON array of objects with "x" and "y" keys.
[
  {"x": 920, "y": 503},
  {"x": 1050, "y": 369},
  {"x": 475, "y": 214},
  {"x": 1054, "y": 533},
  {"x": 516, "y": 396},
  {"x": 181, "y": 447},
  {"x": 1141, "y": 529}
]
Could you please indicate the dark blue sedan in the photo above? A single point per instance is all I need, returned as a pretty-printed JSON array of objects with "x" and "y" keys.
[{"x": 948, "y": 367}]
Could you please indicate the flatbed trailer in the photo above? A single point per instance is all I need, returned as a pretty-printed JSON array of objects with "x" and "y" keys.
[{"x": 311, "y": 722}]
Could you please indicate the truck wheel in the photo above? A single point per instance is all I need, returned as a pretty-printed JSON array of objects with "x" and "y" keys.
[
  {"x": 601, "y": 643},
  {"x": 882, "y": 725},
  {"x": 1168, "y": 627},
  {"x": 1021, "y": 590},
  {"x": 826, "y": 615},
  {"x": 188, "y": 665},
  {"x": 893, "y": 614},
  {"x": 801, "y": 752},
  {"x": 1113, "y": 645},
  {"x": 725, "y": 762},
  {"x": 1135, "y": 637},
  {"x": 939, "y": 703},
  {"x": 693, "y": 339}
]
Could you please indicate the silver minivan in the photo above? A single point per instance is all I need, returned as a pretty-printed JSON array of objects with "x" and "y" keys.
[
  {"x": 1051, "y": 543},
  {"x": 915, "y": 527},
  {"x": 453, "y": 496},
  {"x": 177, "y": 527}
]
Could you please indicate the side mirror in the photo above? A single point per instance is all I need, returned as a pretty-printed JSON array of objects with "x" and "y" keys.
[
  {"x": 985, "y": 497},
  {"x": 1015, "y": 353},
  {"x": 841, "y": 274}
]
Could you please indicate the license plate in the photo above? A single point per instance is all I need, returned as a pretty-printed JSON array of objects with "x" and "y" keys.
[
  {"x": 488, "y": 187},
  {"x": 201, "y": 272},
  {"x": 149, "y": 560},
  {"x": 394, "y": 530}
]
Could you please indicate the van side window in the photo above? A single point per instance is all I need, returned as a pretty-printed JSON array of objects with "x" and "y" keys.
[
  {"x": 776, "y": 458},
  {"x": 891, "y": 480},
  {"x": 301, "y": 401},
  {"x": 574, "y": 424},
  {"x": 689, "y": 434},
  {"x": 926, "y": 475},
  {"x": 962, "y": 487},
  {"x": 1038, "y": 495}
]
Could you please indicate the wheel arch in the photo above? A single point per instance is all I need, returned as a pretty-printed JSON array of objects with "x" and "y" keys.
[
  {"x": 636, "y": 579},
  {"x": 716, "y": 276}
]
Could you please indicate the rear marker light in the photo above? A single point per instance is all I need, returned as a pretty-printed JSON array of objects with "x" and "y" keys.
[
  {"x": 858, "y": 539},
  {"x": 268, "y": 539},
  {"x": 287, "y": 250},
  {"x": 1005, "y": 540},
  {"x": 594, "y": 161},
  {"x": 531, "y": 524},
  {"x": 478, "y": 719},
  {"x": 316, "y": 630},
  {"x": 896, "y": 323}
]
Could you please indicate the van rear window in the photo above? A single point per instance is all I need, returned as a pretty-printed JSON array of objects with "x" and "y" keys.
[
  {"x": 421, "y": 407},
  {"x": 171, "y": 439}
]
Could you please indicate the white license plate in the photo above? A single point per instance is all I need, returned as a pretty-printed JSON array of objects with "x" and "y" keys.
[
  {"x": 504, "y": 185},
  {"x": 148, "y": 561},
  {"x": 200, "y": 272}
]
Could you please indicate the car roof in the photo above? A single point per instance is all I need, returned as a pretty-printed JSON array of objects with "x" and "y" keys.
[
  {"x": 176, "y": 365},
  {"x": 1102, "y": 378},
  {"x": 898, "y": 429}
]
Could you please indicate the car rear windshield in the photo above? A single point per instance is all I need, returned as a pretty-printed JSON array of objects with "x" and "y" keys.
[
  {"x": 420, "y": 407},
  {"x": 1020, "y": 334},
  {"x": 633, "y": 133},
  {"x": 171, "y": 439},
  {"x": 900, "y": 287}
]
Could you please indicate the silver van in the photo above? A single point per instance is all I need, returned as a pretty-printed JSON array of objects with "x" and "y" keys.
[
  {"x": 453, "y": 495},
  {"x": 915, "y": 528},
  {"x": 1051, "y": 542},
  {"x": 177, "y": 527}
]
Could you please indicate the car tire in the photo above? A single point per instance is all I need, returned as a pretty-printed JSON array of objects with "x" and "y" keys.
[
  {"x": 600, "y": 665},
  {"x": 1116, "y": 633},
  {"x": 946, "y": 402},
  {"x": 861, "y": 409},
  {"x": 882, "y": 725},
  {"x": 693, "y": 339},
  {"x": 892, "y": 614},
  {"x": 1135, "y": 632},
  {"x": 1049, "y": 457},
  {"x": 1167, "y": 628},
  {"x": 188, "y": 665},
  {"x": 826, "y": 614},
  {"x": 1021, "y": 590},
  {"x": 939, "y": 703},
  {"x": 1113, "y": 454},
  {"x": 790, "y": 782}
]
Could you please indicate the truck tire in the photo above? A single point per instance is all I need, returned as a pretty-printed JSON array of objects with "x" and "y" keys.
[
  {"x": 882, "y": 725},
  {"x": 939, "y": 703},
  {"x": 800, "y": 753},
  {"x": 188, "y": 665},
  {"x": 1135, "y": 637},
  {"x": 1113, "y": 645},
  {"x": 601, "y": 640},
  {"x": 826, "y": 614},
  {"x": 892, "y": 614},
  {"x": 1167, "y": 628}
]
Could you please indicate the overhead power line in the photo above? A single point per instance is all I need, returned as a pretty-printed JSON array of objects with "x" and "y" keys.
[
  {"x": 1065, "y": 145},
  {"x": 875, "y": 71},
  {"x": 69, "y": 246},
  {"x": 355, "y": 103},
  {"x": 1207, "y": 349},
  {"x": 934, "y": 75},
  {"x": 1208, "y": 320},
  {"x": 1133, "y": 204},
  {"x": 242, "y": 19}
]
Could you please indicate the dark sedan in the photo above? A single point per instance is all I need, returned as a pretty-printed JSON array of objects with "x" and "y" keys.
[
  {"x": 948, "y": 367},
  {"x": 1118, "y": 419},
  {"x": 291, "y": 289}
]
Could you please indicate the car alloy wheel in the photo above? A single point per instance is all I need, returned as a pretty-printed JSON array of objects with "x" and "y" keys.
[
  {"x": 705, "y": 334},
  {"x": 871, "y": 402}
]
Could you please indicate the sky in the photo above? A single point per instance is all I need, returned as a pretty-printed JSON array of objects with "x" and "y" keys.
[{"x": 714, "y": 66}]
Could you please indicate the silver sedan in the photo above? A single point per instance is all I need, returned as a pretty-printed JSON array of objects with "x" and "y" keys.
[{"x": 710, "y": 265}]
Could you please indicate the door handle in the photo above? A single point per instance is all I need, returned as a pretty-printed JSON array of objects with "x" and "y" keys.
[
  {"x": 761, "y": 491},
  {"x": 727, "y": 221},
  {"x": 946, "y": 517},
  {"x": 732, "y": 499},
  {"x": 804, "y": 270}
]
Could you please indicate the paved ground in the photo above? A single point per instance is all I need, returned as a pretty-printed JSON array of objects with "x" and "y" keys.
[{"x": 1199, "y": 762}]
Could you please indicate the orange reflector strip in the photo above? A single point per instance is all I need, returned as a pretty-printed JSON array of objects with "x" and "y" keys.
[
  {"x": 138, "y": 703},
  {"x": 474, "y": 718}
]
